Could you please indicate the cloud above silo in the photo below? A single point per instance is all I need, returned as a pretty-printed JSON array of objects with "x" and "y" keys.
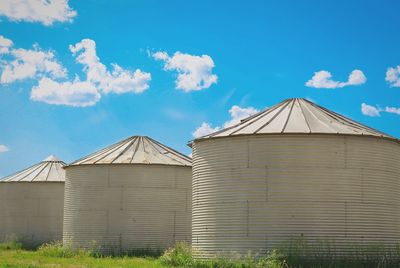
[
  {"x": 194, "y": 72},
  {"x": 375, "y": 111},
  {"x": 236, "y": 112},
  {"x": 323, "y": 79}
]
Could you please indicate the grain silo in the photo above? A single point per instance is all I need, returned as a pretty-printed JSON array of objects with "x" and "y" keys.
[
  {"x": 31, "y": 203},
  {"x": 133, "y": 195},
  {"x": 294, "y": 170}
]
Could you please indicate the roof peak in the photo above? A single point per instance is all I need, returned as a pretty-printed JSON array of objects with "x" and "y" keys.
[
  {"x": 48, "y": 170},
  {"x": 51, "y": 158},
  {"x": 136, "y": 150},
  {"x": 297, "y": 116}
]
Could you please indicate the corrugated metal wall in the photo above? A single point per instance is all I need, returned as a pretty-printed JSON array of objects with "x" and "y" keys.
[
  {"x": 254, "y": 193},
  {"x": 33, "y": 212},
  {"x": 119, "y": 208}
]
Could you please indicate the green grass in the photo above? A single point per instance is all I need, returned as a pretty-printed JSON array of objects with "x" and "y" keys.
[
  {"x": 35, "y": 259},
  {"x": 298, "y": 253}
]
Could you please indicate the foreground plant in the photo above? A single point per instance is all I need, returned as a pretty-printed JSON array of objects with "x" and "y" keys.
[
  {"x": 182, "y": 256},
  {"x": 11, "y": 243},
  {"x": 57, "y": 250}
]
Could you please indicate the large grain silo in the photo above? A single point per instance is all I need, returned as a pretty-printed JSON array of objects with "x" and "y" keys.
[
  {"x": 295, "y": 170},
  {"x": 133, "y": 195},
  {"x": 31, "y": 203}
]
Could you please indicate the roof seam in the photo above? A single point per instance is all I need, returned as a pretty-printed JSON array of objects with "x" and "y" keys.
[
  {"x": 37, "y": 166},
  {"x": 48, "y": 173},
  {"x": 134, "y": 152},
  {"x": 305, "y": 118},
  {"x": 265, "y": 113},
  {"x": 269, "y": 121},
  {"x": 125, "y": 150},
  {"x": 287, "y": 119},
  {"x": 38, "y": 173},
  {"x": 98, "y": 152},
  {"x": 176, "y": 153},
  {"x": 110, "y": 151}
]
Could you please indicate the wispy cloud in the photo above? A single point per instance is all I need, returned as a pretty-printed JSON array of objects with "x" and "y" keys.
[
  {"x": 3, "y": 148},
  {"x": 323, "y": 79},
  {"x": 393, "y": 76},
  {"x": 175, "y": 114},
  {"x": 194, "y": 72},
  {"x": 236, "y": 112},
  {"x": 375, "y": 111},
  {"x": 43, "y": 11}
]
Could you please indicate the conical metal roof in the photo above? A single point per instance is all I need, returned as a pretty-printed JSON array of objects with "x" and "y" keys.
[
  {"x": 136, "y": 150},
  {"x": 49, "y": 170},
  {"x": 297, "y": 116}
]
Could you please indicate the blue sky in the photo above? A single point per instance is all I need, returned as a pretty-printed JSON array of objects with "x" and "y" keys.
[{"x": 195, "y": 61}]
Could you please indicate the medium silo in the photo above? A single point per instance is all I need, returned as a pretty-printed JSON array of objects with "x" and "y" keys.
[
  {"x": 133, "y": 195},
  {"x": 296, "y": 170},
  {"x": 31, "y": 203}
]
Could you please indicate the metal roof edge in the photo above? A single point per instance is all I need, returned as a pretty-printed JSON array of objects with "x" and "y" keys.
[{"x": 396, "y": 140}]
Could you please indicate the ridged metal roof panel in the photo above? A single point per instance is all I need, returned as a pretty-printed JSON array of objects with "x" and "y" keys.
[
  {"x": 136, "y": 150},
  {"x": 297, "y": 116},
  {"x": 49, "y": 170}
]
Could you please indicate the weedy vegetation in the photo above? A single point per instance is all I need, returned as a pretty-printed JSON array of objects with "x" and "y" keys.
[{"x": 296, "y": 253}]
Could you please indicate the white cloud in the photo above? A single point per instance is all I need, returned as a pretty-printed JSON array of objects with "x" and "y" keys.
[
  {"x": 237, "y": 113},
  {"x": 204, "y": 129},
  {"x": 44, "y": 11},
  {"x": 30, "y": 63},
  {"x": 5, "y": 45},
  {"x": 393, "y": 76},
  {"x": 117, "y": 81},
  {"x": 77, "y": 93},
  {"x": 160, "y": 56},
  {"x": 370, "y": 110},
  {"x": 392, "y": 110},
  {"x": 323, "y": 79},
  {"x": 194, "y": 72},
  {"x": 3, "y": 148},
  {"x": 42, "y": 65},
  {"x": 375, "y": 111}
]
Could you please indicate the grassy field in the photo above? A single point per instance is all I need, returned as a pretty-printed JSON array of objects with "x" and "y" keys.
[
  {"x": 57, "y": 255},
  {"x": 31, "y": 259}
]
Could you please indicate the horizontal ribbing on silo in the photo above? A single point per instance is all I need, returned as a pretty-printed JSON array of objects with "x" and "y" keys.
[
  {"x": 31, "y": 212},
  {"x": 120, "y": 207},
  {"x": 257, "y": 192}
]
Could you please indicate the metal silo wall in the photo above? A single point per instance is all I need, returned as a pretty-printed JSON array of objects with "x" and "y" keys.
[
  {"x": 120, "y": 208},
  {"x": 32, "y": 212},
  {"x": 255, "y": 193}
]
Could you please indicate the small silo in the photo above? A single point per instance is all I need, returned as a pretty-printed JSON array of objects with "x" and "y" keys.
[
  {"x": 133, "y": 195},
  {"x": 295, "y": 170},
  {"x": 31, "y": 203}
]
